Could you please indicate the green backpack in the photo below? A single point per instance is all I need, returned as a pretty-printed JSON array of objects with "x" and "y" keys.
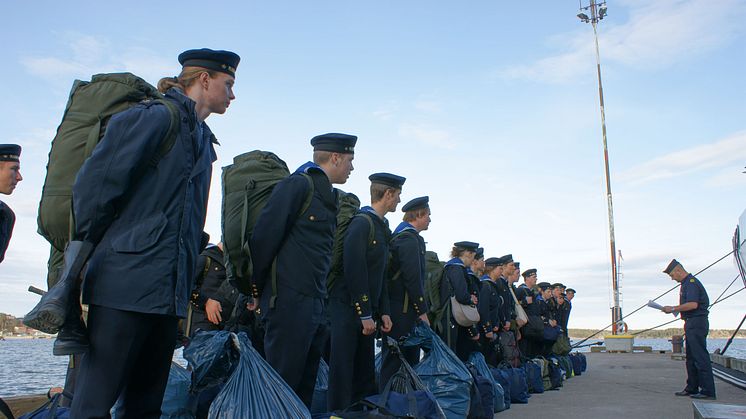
[
  {"x": 247, "y": 186},
  {"x": 88, "y": 110},
  {"x": 433, "y": 278},
  {"x": 349, "y": 205}
]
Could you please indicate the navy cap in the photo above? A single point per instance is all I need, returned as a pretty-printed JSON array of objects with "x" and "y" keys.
[
  {"x": 558, "y": 285},
  {"x": 388, "y": 179},
  {"x": 570, "y": 290},
  {"x": 671, "y": 266},
  {"x": 480, "y": 253},
  {"x": 10, "y": 152},
  {"x": 517, "y": 265},
  {"x": 507, "y": 258},
  {"x": 335, "y": 143},
  {"x": 466, "y": 245},
  {"x": 544, "y": 285},
  {"x": 222, "y": 61},
  {"x": 493, "y": 262},
  {"x": 416, "y": 203},
  {"x": 529, "y": 272}
]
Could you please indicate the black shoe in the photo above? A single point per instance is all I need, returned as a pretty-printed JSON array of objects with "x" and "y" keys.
[
  {"x": 684, "y": 393},
  {"x": 701, "y": 396},
  {"x": 49, "y": 314}
]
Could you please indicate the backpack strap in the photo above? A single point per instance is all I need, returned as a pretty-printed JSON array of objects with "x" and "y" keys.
[
  {"x": 173, "y": 131},
  {"x": 303, "y": 209}
]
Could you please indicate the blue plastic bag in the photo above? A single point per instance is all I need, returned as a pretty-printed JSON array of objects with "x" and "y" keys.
[
  {"x": 480, "y": 364},
  {"x": 518, "y": 386},
  {"x": 177, "y": 403},
  {"x": 442, "y": 372},
  {"x": 50, "y": 409},
  {"x": 255, "y": 390},
  {"x": 503, "y": 377},
  {"x": 319, "y": 401},
  {"x": 212, "y": 358},
  {"x": 533, "y": 377}
]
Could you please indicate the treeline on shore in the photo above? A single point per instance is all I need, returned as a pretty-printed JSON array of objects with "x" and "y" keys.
[{"x": 656, "y": 334}]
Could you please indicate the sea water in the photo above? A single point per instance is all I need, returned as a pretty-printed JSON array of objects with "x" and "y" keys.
[{"x": 27, "y": 366}]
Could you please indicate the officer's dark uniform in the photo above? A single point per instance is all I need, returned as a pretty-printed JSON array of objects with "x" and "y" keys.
[
  {"x": 406, "y": 290},
  {"x": 522, "y": 293},
  {"x": 361, "y": 294},
  {"x": 292, "y": 301},
  {"x": 696, "y": 327},
  {"x": 211, "y": 283},
  {"x": 8, "y": 153},
  {"x": 543, "y": 308},
  {"x": 146, "y": 224},
  {"x": 489, "y": 304},
  {"x": 457, "y": 282}
]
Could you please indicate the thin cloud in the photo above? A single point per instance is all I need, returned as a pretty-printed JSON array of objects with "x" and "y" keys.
[
  {"x": 656, "y": 35},
  {"x": 80, "y": 56},
  {"x": 430, "y": 136},
  {"x": 720, "y": 154}
]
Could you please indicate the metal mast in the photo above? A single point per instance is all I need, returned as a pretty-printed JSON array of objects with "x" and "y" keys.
[{"x": 598, "y": 12}]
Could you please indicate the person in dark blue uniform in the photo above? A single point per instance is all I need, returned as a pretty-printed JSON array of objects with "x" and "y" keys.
[
  {"x": 693, "y": 306},
  {"x": 291, "y": 252},
  {"x": 543, "y": 309},
  {"x": 213, "y": 298},
  {"x": 531, "y": 334},
  {"x": 360, "y": 300},
  {"x": 10, "y": 175},
  {"x": 489, "y": 304},
  {"x": 141, "y": 248},
  {"x": 560, "y": 306},
  {"x": 406, "y": 278},
  {"x": 457, "y": 283}
]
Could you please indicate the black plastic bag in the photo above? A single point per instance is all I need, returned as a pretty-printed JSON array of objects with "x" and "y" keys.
[
  {"x": 212, "y": 357},
  {"x": 255, "y": 390}
]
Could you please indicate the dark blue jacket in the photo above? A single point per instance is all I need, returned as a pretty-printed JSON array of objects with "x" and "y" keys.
[
  {"x": 7, "y": 219},
  {"x": 408, "y": 268},
  {"x": 365, "y": 262},
  {"x": 146, "y": 221},
  {"x": 489, "y": 304},
  {"x": 458, "y": 283},
  {"x": 693, "y": 291},
  {"x": 301, "y": 243}
]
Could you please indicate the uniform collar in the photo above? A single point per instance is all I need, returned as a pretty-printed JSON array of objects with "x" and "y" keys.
[
  {"x": 403, "y": 226},
  {"x": 308, "y": 167},
  {"x": 455, "y": 261}
]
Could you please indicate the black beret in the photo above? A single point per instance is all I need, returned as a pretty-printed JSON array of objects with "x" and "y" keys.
[
  {"x": 480, "y": 253},
  {"x": 558, "y": 285},
  {"x": 467, "y": 245},
  {"x": 335, "y": 143},
  {"x": 493, "y": 262},
  {"x": 222, "y": 61},
  {"x": 416, "y": 203},
  {"x": 671, "y": 266},
  {"x": 570, "y": 290},
  {"x": 388, "y": 179},
  {"x": 10, "y": 152},
  {"x": 544, "y": 285},
  {"x": 529, "y": 272},
  {"x": 507, "y": 258}
]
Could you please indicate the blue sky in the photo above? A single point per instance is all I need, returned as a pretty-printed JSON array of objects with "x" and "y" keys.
[{"x": 490, "y": 108}]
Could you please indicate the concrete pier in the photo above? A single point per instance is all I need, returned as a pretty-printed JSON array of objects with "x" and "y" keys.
[{"x": 619, "y": 385}]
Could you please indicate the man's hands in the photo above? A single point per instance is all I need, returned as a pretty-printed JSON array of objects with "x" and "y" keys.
[
  {"x": 213, "y": 310},
  {"x": 386, "y": 326},
  {"x": 369, "y": 326},
  {"x": 424, "y": 319}
]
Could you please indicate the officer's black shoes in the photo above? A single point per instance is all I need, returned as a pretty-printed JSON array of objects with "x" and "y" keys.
[
  {"x": 684, "y": 392},
  {"x": 701, "y": 396},
  {"x": 49, "y": 314}
]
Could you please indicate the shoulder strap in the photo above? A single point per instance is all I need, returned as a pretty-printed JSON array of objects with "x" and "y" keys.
[
  {"x": 304, "y": 208},
  {"x": 372, "y": 228},
  {"x": 173, "y": 131}
]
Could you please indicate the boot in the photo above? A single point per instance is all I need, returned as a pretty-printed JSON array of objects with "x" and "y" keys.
[
  {"x": 50, "y": 313},
  {"x": 73, "y": 336}
]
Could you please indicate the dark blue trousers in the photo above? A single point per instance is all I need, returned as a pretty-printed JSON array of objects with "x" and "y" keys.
[
  {"x": 129, "y": 353},
  {"x": 698, "y": 367},
  {"x": 352, "y": 364},
  {"x": 403, "y": 323},
  {"x": 295, "y": 336}
]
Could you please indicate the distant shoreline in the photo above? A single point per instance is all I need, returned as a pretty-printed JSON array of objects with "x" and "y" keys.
[{"x": 656, "y": 334}]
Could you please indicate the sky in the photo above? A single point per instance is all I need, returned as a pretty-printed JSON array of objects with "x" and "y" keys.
[{"x": 490, "y": 108}]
